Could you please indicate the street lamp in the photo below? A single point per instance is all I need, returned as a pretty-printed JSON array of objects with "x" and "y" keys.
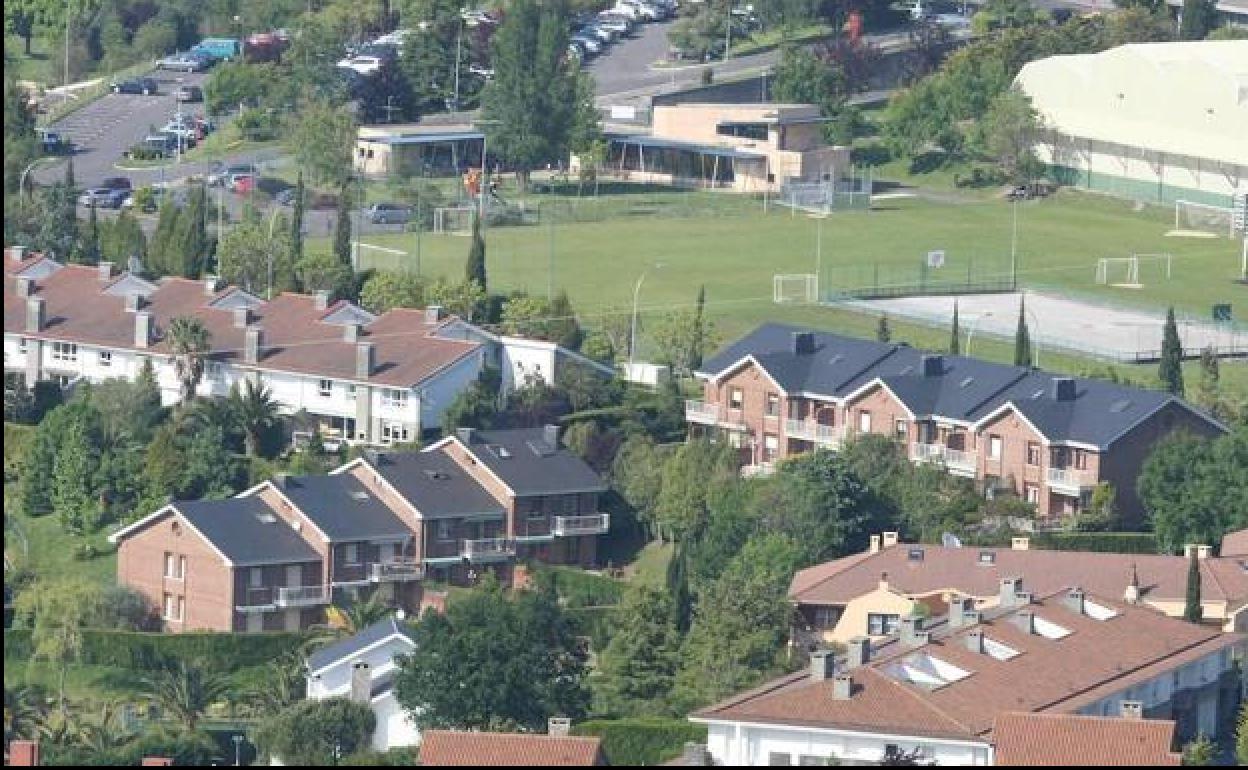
[
  {"x": 818, "y": 249},
  {"x": 971, "y": 332},
  {"x": 632, "y": 340},
  {"x": 237, "y": 738},
  {"x": 21, "y": 182}
]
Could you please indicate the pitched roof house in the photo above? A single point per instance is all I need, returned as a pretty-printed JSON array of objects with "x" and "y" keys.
[
  {"x": 447, "y": 748},
  {"x": 1062, "y": 740}
]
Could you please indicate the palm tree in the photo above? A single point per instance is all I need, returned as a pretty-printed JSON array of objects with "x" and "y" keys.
[
  {"x": 24, "y": 711},
  {"x": 347, "y": 621},
  {"x": 102, "y": 732},
  {"x": 189, "y": 342},
  {"x": 184, "y": 692},
  {"x": 255, "y": 411},
  {"x": 205, "y": 413},
  {"x": 283, "y": 685}
]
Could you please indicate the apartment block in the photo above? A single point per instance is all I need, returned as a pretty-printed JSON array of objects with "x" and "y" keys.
[
  {"x": 278, "y": 554},
  {"x": 1050, "y": 439},
  {"x": 939, "y": 688}
]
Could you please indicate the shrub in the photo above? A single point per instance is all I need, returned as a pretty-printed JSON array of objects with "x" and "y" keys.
[
  {"x": 1101, "y": 542},
  {"x": 642, "y": 741},
  {"x": 146, "y": 651}
]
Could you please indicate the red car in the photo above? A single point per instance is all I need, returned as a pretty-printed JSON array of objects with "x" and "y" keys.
[{"x": 242, "y": 183}]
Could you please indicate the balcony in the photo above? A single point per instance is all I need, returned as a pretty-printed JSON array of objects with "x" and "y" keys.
[
  {"x": 256, "y": 600},
  {"x": 701, "y": 412},
  {"x": 590, "y": 524},
  {"x": 809, "y": 430},
  {"x": 489, "y": 549},
  {"x": 956, "y": 461},
  {"x": 349, "y": 575},
  {"x": 302, "y": 596},
  {"x": 397, "y": 571},
  {"x": 1069, "y": 480}
]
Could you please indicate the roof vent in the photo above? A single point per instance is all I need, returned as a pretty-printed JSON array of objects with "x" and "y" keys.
[
  {"x": 465, "y": 435},
  {"x": 966, "y": 382},
  {"x": 907, "y": 369},
  {"x": 987, "y": 558},
  {"x": 836, "y": 359},
  {"x": 1063, "y": 389},
  {"x": 933, "y": 365},
  {"x": 1121, "y": 405},
  {"x": 914, "y": 554},
  {"x": 358, "y": 494},
  {"x": 559, "y": 726},
  {"x": 436, "y": 475},
  {"x": 321, "y": 298},
  {"x": 499, "y": 450},
  {"x": 433, "y": 314},
  {"x": 803, "y": 343},
  {"x": 266, "y": 518},
  {"x": 1131, "y": 709}
]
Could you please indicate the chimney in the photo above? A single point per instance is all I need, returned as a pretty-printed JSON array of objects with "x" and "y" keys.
[
  {"x": 281, "y": 480},
  {"x": 134, "y": 302},
  {"x": 1132, "y": 594},
  {"x": 253, "y": 339},
  {"x": 875, "y": 544},
  {"x": 803, "y": 343},
  {"x": 1020, "y": 543},
  {"x": 1063, "y": 389},
  {"x": 975, "y": 640},
  {"x": 958, "y": 605},
  {"x": 210, "y": 286},
  {"x": 1025, "y": 620},
  {"x": 550, "y": 434},
  {"x": 23, "y": 753},
  {"x": 559, "y": 726},
  {"x": 322, "y": 300},
  {"x": 1010, "y": 586},
  {"x": 695, "y": 755},
  {"x": 466, "y": 435},
  {"x": 842, "y": 686},
  {"x": 1131, "y": 709},
  {"x": 822, "y": 665},
  {"x": 104, "y": 271},
  {"x": 17, "y": 253},
  {"x": 1074, "y": 600},
  {"x": 35, "y": 313},
  {"x": 351, "y": 333},
  {"x": 933, "y": 365},
  {"x": 971, "y": 618},
  {"x": 142, "y": 329},
  {"x": 361, "y": 683},
  {"x": 912, "y": 633},
  {"x": 25, "y": 285},
  {"x": 884, "y": 581},
  {"x": 891, "y": 539},
  {"x": 433, "y": 314},
  {"x": 364, "y": 363},
  {"x": 1203, "y": 552},
  {"x": 859, "y": 651},
  {"x": 242, "y": 317}
]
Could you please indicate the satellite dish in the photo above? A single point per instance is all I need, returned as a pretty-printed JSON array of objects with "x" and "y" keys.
[{"x": 950, "y": 540}]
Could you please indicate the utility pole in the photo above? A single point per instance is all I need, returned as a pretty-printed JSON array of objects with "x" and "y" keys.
[
  {"x": 68, "y": 17},
  {"x": 459, "y": 36},
  {"x": 1014, "y": 247}
]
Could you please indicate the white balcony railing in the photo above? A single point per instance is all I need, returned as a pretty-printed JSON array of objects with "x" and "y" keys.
[
  {"x": 589, "y": 524},
  {"x": 397, "y": 571},
  {"x": 302, "y": 596},
  {"x": 959, "y": 459},
  {"x": 700, "y": 411},
  {"x": 954, "y": 459},
  {"x": 1069, "y": 479},
  {"x": 489, "y": 549},
  {"x": 809, "y": 430},
  {"x": 256, "y": 600}
]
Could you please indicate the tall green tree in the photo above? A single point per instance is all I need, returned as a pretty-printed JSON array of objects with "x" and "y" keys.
[
  {"x": 189, "y": 343},
  {"x": 88, "y": 252},
  {"x": 296, "y": 222},
  {"x": 1195, "y": 490},
  {"x": 342, "y": 231},
  {"x": 321, "y": 140},
  {"x": 955, "y": 333},
  {"x": 698, "y": 336},
  {"x": 191, "y": 244},
  {"x": 257, "y": 413},
  {"x": 474, "y": 270},
  {"x": 638, "y": 668},
  {"x": 73, "y": 474},
  {"x": 882, "y": 332},
  {"x": 682, "y": 508},
  {"x": 1197, "y": 18},
  {"x": 1022, "y": 337},
  {"x": 1170, "y": 369},
  {"x": 1192, "y": 611},
  {"x": 317, "y": 733},
  {"x": 184, "y": 691},
  {"x": 121, "y": 239}
]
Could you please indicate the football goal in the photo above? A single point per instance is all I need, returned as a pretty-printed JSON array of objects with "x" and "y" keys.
[
  {"x": 1192, "y": 217},
  {"x": 453, "y": 220},
  {"x": 1124, "y": 272},
  {"x": 370, "y": 256},
  {"x": 795, "y": 287}
]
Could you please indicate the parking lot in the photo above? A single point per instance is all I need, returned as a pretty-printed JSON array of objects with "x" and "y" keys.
[{"x": 102, "y": 131}]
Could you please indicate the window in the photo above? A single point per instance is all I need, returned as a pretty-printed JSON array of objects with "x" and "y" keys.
[
  {"x": 394, "y": 399},
  {"x": 807, "y": 760},
  {"x": 350, "y": 392},
  {"x": 64, "y": 351},
  {"x": 1033, "y": 453},
  {"x": 325, "y": 388},
  {"x": 899, "y": 426},
  {"x": 864, "y": 421},
  {"x": 736, "y": 398},
  {"x": 393, "y": 432},
  {"x": 445, "y": 531},
  {"x": 1031, "y": 493},
  {"x": 21, "y": 345},
  {"x": 773, "y": 405},
  {"x": 879, "y": 624},
  {"x": 536, "y": 512},
  {"x": 175, "y": 566},
  {"x": 827, "y": 617},
  {"x": 256, "y": 577},
  {"x": 771, "y": 448},
  {"x": 172, "y": 608},
  {"x": 994, "y": 447},
  {"x": 1080, "y": 459},
  {"x": 351, "y": 553},
  {"x": 756, "y": 131},
  {"x": 106, "y": 358},
  {"x": 779, "y": 759}
]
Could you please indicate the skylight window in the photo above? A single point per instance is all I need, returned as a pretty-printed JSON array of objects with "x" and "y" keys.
[
  {"x": 836, "y": 358},
  {"x": 966, "y": 382},
  {"x": 1098, "y": 611},
  {"x": 998, "y": 650},
  {"x": 500, "y": 451},
  {"x": 1120, "y": 405},
  {"x": 266, "y": 518},
  {"x": 925, "y": 671},
  {"x": 907, "y": 370},
  {"x": 1038, "y": 394},
  {"x": 1050, "y": 630},
  {"x": 359, "y": 495}
]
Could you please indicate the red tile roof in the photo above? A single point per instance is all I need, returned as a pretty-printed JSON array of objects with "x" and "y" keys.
[
  {"x": 1061, "y": 740},
  {"x": 1235, "y": 544},
  {"x": 295, "y": 337},
  {"x": 448, "y": 748}
]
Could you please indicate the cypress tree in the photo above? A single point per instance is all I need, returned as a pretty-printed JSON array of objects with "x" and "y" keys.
[
  {"x": 474, "y": 270},
  {"x": 1022, "y": 337},
  {"x": 955, "y": 339},
  {"x": 70, "y": 182},
  {"x": 1196, "y": 19},
  {"x": 342, "y": 230},
  {"x": 296, "y": 223},
  {"x": 882, "y": 332},
  {"x": 1192, "y": 611},
  {"x": 89, "y": 253},
  {"x": 160, "y": 249},
  {"x": 194, "y": 244},
  {"x": 68, "y": 205},
  {"x": 1171, "y": 368},
  {"x": 698, "y": 336},
  {"x": 678, "y": 587}
]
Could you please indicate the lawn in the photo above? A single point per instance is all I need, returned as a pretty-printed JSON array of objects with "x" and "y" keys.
[{"x": 47, "y": 550}]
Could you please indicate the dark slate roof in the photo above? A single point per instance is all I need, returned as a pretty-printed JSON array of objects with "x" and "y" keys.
[
  {"x": 958, "y": 387},
  {"x": 247, "y": 531},
  {"x": 343, "y": 508},
  {"x": 351, "y": 646},
  {"x": 530, "y": 465},
  {"x": 435, "y": 484}
]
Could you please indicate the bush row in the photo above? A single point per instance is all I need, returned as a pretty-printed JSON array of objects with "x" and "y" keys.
[
  {"x": 648, "y": 741},
  {"x": 578, "y": 588},
  {"x": 145, "y": 651},
  {"x": 1101, "y": 542}
]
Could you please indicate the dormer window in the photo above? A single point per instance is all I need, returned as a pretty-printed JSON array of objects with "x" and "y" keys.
[{"x": 987, "y": 557}]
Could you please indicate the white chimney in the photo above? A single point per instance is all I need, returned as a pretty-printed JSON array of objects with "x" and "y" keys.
[
  {"x": 142, "y": 329},
  {"x": 104, "y": 271},
  {"x": 252, "y": 340},
  {"x": 1020, "y": 543},
  {"x": 822, "y": 665},
  {"x": 559, "y": 726},
  {"x": 433, "y": 314},
  {"x": 35, "y": 314},
  {"x": 210, "y": 286},
  {"x": 351, "y": 333},
  {"x": 17, "y": 253},
  {"x": 322, "y": 300},
  {"x": 875, "y": 544},
  {"x": 242, "y": 317},
  {"x": 364, "y": 360},
  {"x": 891, "y": 539},
  {"x": 25, "y": 286}
]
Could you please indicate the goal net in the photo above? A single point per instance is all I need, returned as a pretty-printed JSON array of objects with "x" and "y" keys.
[
  {"x": 453, "y": 220},
  {"x": 1190, "y": 216},
  {"x": 795, "y": 287},
  {"x": 369, "y": 256},
  {"x": 1131, "y": 272}
]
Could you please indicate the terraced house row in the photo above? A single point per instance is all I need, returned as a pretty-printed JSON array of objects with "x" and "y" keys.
[
  {"x": 1050, "y": 439},
  {"x": 277, "y": 555}
]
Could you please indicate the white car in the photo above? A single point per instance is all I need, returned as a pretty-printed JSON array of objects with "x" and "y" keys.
[
  {"x": 591, "y": 45},
  {"x": 365, "y": 65}
]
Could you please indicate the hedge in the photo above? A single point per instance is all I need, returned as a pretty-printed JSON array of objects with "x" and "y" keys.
[
  {"x": 1101, "y": 542},
  {"x": 643, "y": 741},
  {"x": 144, "y": 651},
  {"x": 597, "y": 623},
  {"x": 582, "y": 589},
  {"x": 16, "y": 439}
]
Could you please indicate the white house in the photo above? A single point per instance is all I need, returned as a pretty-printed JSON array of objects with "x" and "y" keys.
[{"x": 363, "y": 668}]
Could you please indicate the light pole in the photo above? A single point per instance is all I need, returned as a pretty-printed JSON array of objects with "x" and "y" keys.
[
  {"x": 484, "y": 148},
  {"x": 238, "y": 749},
  {"x": 1014, "y": 246},
  {"x": 21, "y": 182},
  {"x": 970, "y": 334},
  {"x": 818, "y": 249},
  {"x": 1035, "y": 342},
  {"x": 632, "y": 338}
]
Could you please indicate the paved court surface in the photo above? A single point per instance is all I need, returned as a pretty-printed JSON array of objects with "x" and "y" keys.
[{"x": 1062, "y": 323}]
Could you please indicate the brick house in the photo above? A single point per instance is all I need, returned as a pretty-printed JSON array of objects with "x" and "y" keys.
[
  {"x": 276, "y": 555},
  {"x": 783, "y": 390}
]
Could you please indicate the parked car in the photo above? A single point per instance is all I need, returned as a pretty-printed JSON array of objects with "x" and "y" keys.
[
  {"x": 189, "y": 94},
  {"x": 116, "y": 183},
  {"x": 388, "y": 214},
  {"x": 219, "y": 48},
  {"x": 144, "y": 86},
  {"x": 221, "y": 174},
  {"x": 160, "y": 144},
  {"x": 241, "y": 183},
  {"x": 102, "y": 197},
  {"x": 185, "y": 62},
  {"x": 287, "y": 197},
  {"x": 592, "y": 46},
  {"x": 53, "y": 142}
]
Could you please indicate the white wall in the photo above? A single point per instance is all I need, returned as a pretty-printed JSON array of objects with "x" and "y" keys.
[
  {"x": 753, "y": 745},
  {"x": 336, "y": 681},
  {"x": 438, "y": 394},
  {"x": 394, "y": 727}
]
